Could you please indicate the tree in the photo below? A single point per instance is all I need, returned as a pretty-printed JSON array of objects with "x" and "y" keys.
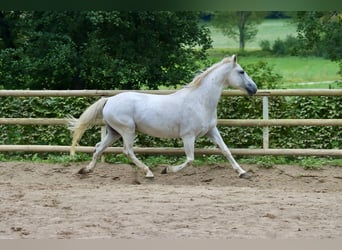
[
  {"x": 100, "y": 49},
  {"x": 239, "y": 25},
  {"x": 321, "y": 32}
]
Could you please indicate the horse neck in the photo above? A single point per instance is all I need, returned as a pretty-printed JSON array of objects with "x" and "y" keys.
[{"x": 210, "y": 89}]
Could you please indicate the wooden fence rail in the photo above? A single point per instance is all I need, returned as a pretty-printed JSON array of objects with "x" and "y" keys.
[
  {"x": 265, "y": 123},
  {"x": 66, "y": 93},
  {"x": 173, "y": 151},
  {"x": 221, "y": 122}
]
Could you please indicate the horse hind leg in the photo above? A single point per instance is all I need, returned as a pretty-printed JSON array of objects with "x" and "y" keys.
[
  {"x": 100, "y": 147},
  {"x": 128, "y": 140}
]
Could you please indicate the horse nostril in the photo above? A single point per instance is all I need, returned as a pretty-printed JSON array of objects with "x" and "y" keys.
[{"x": 251, "y": 89}]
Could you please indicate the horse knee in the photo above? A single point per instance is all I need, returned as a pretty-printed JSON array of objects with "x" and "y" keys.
[{"x": 96, "y": 148}]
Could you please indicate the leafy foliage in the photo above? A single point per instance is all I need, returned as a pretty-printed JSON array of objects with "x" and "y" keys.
[
  {"x": 310, "y": 136},
  {"x": 229, "y": 108},
  {"x": 36, "y": 107},
  {"x": 289, "y": 46},
  {"x": 321, "y": 32},
  {"x": 100, "y": 49}
]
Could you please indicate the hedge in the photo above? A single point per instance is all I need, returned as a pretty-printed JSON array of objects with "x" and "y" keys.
[{"x": 229, "y": 108}]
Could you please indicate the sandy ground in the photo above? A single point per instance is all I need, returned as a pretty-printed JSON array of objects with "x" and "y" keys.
[{"x": 51, "y": 201}]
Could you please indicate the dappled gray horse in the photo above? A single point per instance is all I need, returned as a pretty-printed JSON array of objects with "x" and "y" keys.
[{"x": 188, "y": 113}]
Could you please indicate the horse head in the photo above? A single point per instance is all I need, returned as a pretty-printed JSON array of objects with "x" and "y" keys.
[{"x": 238, "y": 78}]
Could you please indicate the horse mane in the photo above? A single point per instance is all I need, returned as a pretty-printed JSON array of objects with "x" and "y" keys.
[{"x": 197, "y": 81}]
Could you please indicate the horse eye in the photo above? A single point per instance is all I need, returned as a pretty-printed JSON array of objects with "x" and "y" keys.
[{"x": 241, "y": 72}]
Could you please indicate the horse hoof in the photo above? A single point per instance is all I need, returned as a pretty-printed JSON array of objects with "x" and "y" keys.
[
  {"x": 149, "y": 175},
  {"x": 84, "y": 171},
  {"x": 149, "y": 178},
  {"x": 245, "y": 176},
  {"x": 164, "y": 171}
]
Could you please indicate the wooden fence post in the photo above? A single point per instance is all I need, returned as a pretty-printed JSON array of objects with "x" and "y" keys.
[{"x": 265, "y": 117}]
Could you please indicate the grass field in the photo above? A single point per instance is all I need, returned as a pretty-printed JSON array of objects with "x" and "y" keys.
[
  {"x": 300, "y": 69},
  {"x": 267, "y": 30},
  {"x": 317, "y": 72}
]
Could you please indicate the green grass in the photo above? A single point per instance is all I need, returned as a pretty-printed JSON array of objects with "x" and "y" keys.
[
  {"x": 319, "y": 85},
  {"x": 267, "y": 30},
  {"x": 300, "y": 69},
  {"x": 294, "y": 70}
]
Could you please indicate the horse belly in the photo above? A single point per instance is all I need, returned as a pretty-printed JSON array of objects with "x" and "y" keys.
[{"x": 158, "y": 127}]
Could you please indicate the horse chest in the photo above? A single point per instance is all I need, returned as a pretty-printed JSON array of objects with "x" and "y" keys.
[{"x": 197, "y": 123}]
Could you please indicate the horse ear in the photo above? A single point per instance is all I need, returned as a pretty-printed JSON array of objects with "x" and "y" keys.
[{"x": 234, "y": 59}]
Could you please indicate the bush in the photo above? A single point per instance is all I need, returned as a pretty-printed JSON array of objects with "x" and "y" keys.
[
  {"x": 265, "y": 45},
  {"x": 302, "y": 107},
  {"x": 229, "y": 108},
  {"x": 36, "y": 107},
  {"x": 278, "y": 47},
  {"x": 289, "y": 46}
]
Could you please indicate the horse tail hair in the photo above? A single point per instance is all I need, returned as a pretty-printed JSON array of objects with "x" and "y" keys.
[{"x": 90, "y": 117}]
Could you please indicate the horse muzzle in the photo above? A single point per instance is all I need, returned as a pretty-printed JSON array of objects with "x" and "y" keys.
[{"x": 251, "y": 89}]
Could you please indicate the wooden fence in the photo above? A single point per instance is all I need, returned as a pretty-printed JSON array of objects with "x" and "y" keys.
[{"x": 265, "y": 123}]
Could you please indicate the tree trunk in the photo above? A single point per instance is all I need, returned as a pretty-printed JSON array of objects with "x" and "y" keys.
[
  {"x": 242, "y": 42},
  {"x": 243, "y": 16},
  {"x": 77, "y": 83},
  {"x": 5, "y": 32}
]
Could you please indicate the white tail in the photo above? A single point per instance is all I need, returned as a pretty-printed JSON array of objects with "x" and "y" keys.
[{"x": 89, "y": 118}]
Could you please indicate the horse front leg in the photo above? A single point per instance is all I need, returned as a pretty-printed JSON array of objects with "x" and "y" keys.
[
  {"x": 189, "y": 151},
  {"x": 216, "y": 138}
]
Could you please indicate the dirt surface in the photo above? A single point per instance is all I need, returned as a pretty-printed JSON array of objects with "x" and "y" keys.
[{"x": 116, "y": 201}]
